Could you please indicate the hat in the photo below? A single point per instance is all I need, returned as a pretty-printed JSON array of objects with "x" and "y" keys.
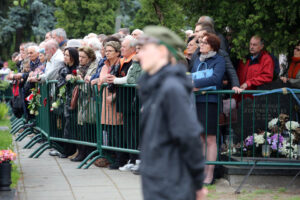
[
  {"x": 165, "y": 37},
  {"x": 73, "y": 43}
]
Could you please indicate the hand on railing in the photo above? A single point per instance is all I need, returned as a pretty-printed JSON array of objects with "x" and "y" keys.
[
  {"x": 110, "y": 78},
  {"x": 237, "y": 90}
]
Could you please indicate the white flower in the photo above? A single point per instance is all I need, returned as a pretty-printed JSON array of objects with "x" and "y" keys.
[
  {"x": 54, "y": 105},
  {"x": 291, "y": 125},
  {"x": 36, "y": 113},
  {"x": 272, "y": 123},
  {"x": 259, "y": 139},
  {"x": 31, "y": 112}
]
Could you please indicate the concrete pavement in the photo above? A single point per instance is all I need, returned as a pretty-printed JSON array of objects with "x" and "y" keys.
[{"x": 53, "y": 178}]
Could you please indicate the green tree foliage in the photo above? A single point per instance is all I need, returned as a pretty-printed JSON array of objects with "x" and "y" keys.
[
  {"x": 278, "y": 22},
  {"x": 80, "y": 17},
  {"x": 25, "y": 20},
  {"x": 160, "y": 12}
]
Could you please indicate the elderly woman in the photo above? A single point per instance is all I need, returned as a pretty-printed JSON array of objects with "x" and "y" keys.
[
  {"x": 211, "y": 67},
  {"x": 293, "y": 74},
  {"x": 110, "y": 118}
]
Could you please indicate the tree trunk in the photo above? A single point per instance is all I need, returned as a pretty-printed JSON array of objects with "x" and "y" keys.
[
  {"x": 159, "y": 13},
  {"x": 19, "y": 38}
]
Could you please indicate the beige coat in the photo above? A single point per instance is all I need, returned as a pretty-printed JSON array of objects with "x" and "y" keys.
[{"x": 109, "y": 115}]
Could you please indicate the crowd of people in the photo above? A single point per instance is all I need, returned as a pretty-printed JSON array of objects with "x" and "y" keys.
[{"x": 121, "y": 58}]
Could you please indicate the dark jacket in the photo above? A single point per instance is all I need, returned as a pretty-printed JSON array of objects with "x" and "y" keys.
[
  {"x": 171, "y": 150},
  {"x": 63, "y": 72},
  {"x": 229, "y": 69},
  {"x": 217, "y": 63},
  {"x": 98, "y": 70}
]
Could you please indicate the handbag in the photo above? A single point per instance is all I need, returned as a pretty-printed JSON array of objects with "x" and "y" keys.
[
  {"x": 74, "y": 99},
  {"x": 199, "y": 74},
  {"x": 229, "y": 105}
]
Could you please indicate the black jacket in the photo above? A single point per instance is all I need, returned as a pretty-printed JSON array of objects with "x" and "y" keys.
[
  {"x": 229, "y": 69},
  {"x": 171, "y": 150}
]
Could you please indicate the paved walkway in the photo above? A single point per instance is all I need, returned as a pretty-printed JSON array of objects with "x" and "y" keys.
[{"x": 53, "y": 178}]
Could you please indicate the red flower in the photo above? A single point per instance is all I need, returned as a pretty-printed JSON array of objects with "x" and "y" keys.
[
  {"x": 39, "y": 91},
  {"x": 74, "y": 72},
  {"x": 45, "y": 102},
  {"x": 30, "y": 97}
]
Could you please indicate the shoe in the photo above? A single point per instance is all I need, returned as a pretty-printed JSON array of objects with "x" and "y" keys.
[
  {"x": 114, "y": 166},
  {"x": 126, "y": 167},
  {"x": 101, "y": 162},
  {"x": 78, "y": 158},
  {"x": 63, "y": 155},
  {"x": 136, "y": 171},
  {"x": 54, "y": 153}
]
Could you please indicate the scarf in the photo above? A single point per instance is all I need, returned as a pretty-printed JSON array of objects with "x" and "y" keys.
[{"x": 210, "y": 54}]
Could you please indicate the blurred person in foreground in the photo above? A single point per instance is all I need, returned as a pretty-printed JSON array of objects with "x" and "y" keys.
[{"x": 172, "y": 163}]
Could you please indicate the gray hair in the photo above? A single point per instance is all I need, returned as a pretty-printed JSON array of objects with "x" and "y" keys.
[
  {"x": 29, "y": 44},
  {"x": 52, "y": 44},
  {"x": 206, "y": 19},
  {"x": 35, "y": 47},
  {"x": 94, "y": 43},
  {"x": 60, "y": 32},
  {"x": 132, "y": 40}
]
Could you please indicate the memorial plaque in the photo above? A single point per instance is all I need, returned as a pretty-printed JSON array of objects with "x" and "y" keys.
[{"x": 275, "y": 105}]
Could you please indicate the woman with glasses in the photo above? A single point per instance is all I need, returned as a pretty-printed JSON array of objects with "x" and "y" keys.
[
  {"x": 293, "y": 74},
  {"x": 208, "y": 71}
]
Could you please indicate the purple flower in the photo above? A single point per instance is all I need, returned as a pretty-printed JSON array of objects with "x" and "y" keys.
[
  {"x": 274, "y": 141},
  {"x": 249, "y": 141}
]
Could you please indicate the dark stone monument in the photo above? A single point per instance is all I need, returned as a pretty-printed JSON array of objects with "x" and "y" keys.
[{"x": 263, "y": 113}]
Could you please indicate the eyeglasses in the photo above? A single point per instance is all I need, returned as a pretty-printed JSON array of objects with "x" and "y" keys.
[
  {"x": 297, "y": 49},
  {"x": 109, "y": 51},
  {"x": 202, "y": 42}
]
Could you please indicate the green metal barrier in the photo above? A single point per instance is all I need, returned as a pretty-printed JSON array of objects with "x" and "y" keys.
[
  {"x": 109, "y": 121},
  {"x": 241, "y": 148},
  {"x": 6, "y": 93}
]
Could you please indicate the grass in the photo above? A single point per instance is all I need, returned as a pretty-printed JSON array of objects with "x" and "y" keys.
[{"x": 6, "y": 143}]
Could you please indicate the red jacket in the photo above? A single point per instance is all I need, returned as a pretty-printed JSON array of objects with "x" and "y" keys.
[{"x": 256, "y": 72}]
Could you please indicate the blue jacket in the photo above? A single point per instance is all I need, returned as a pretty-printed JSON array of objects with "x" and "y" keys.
[
  {"x": 217, "y": 63},
  {"x": 98, "y": 70}
]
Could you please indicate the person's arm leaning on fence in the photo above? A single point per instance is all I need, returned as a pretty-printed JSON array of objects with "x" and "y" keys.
[{"x": 230, "y": 71}]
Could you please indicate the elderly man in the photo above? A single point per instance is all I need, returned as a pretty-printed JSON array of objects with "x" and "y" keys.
[
  {"x": 258, "y": 68},
  {"x": 209, "y": 20},
  {"x": 55, "y": 60},
  {"x": 60, "y": 36},
  {"x": 136, "y": 33}
]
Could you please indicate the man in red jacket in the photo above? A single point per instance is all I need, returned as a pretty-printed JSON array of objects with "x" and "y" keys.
[{"x": 259, "y": 67}]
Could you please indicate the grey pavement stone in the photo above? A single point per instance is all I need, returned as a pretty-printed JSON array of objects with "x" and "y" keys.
[{"x": 53, "y": 178}]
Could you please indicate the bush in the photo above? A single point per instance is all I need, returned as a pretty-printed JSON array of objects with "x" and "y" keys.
[{"x": 3, "y": 111}]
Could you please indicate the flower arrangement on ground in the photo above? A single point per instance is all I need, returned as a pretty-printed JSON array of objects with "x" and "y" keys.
[
  {"x": 283, "y": 138},
  {"x": 7, "y": 155}
]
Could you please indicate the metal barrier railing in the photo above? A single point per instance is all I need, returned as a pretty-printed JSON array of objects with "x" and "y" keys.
[{"x": 109, "y": 120}]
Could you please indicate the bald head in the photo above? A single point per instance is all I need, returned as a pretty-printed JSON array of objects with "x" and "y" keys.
[
  {"x": 50, "y": 48},
  {"x": 136, "y": 33}
]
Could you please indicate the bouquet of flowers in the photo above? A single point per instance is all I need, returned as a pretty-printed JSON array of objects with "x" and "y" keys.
[
  {"x": 7, "y": 156},
  {"x": 34, "y": 101},
  {"x": 61, "y": 98}
]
